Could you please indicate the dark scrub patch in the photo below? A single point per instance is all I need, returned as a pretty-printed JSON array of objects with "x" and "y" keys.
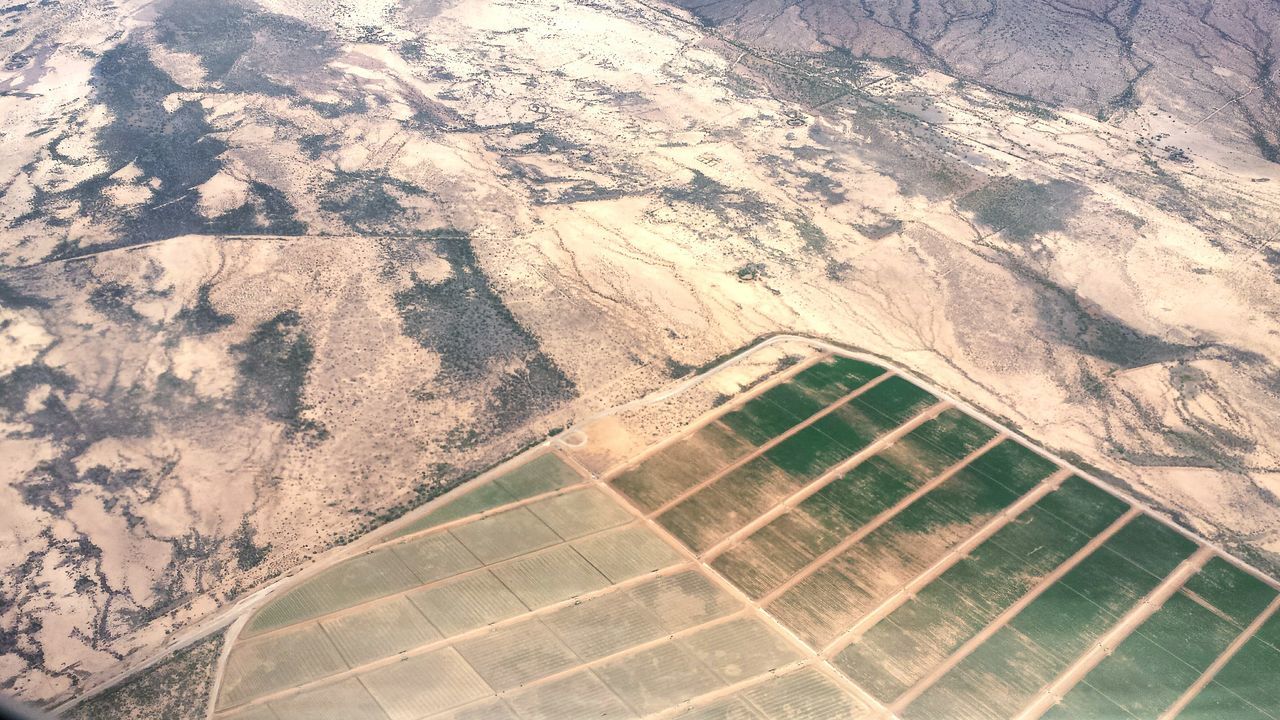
[
  {"x": 465, "y": 321},
  {"x": 274, "y": 362}
]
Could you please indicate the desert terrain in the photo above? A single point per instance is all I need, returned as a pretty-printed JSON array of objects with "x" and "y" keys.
[{"x": 274, "y": 273}]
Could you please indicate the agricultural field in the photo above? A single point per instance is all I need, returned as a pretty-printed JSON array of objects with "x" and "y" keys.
[
  {"x": 536, "y": 594},
  {"x": 836, "y": 541}
]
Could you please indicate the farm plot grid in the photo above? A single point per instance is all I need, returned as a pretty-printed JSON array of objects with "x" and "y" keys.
[
  {"x": 542, "y": 597},
  {"x": 837, "y": 542},
  {"x": 949, "y": 570}
]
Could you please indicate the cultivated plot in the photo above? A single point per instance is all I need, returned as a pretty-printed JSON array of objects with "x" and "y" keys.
[
  {"x": 557, "y": 602},
  {"x": 946, "y": 568}
]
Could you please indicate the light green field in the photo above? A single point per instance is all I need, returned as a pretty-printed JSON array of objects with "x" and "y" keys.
[
  {"x": 549, "y": 576},
  {"x": 379, "y": 630},
  {"x": 626, "y": 552},
  {"x": 543, "y": 474}
]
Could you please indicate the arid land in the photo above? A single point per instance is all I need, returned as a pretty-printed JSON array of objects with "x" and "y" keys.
[{"x": 273, "y": 274}]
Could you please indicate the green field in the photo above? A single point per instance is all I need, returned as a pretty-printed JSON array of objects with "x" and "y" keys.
[
  {"x": 1246, "y": 686},
  {"x": 1154, "y": 665},
  {"x": 920, "y": 532},
  {"x": 1004, "y": 673},
  {"x": 903, "y": 647},
  {"x": 744, "y": 494}
]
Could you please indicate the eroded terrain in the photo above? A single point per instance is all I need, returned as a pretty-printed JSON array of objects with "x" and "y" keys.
[{"x": 275, "y": 273}]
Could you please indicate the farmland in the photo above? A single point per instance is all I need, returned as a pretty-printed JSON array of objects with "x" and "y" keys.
[{"x": 836, "y": 540}]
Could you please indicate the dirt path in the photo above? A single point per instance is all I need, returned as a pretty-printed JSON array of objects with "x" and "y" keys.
[
  {"x": 1054, "y": 692},
  {"x": 1010, "y": 612},
  {"x": 220, "y": 667}
]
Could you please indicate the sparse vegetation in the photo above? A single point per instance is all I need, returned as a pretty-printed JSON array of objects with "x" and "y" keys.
[
  {"x": 368, "y": 201},
  {"x": 677, "y": 369},
  {"x": 881, "y": 229},
  {"x": 1024, "y": 209},
  {"x": 273, "y": 366},
  {"x": 752, "y": 271},
  {"x": 12, "y": 297},
  {"x": 113, "y": 299},
  {"x": 203, "y": 318},
  {"x": 176, "y": 689},
  {"x": 465, "y": 321},
  {"x": 248, "y": 553}
]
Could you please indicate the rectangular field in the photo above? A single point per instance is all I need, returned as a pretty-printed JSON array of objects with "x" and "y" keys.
[
  {"x": 542, "y": 474},
  {"x": 896, "y": 652},
  {"x": 665, "y": 475},
  {"x": 1246, "y": 686}
]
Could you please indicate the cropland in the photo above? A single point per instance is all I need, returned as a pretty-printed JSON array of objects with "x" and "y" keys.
[{"x": 835, "y": 541}]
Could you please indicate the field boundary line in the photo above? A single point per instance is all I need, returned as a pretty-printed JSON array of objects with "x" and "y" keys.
[
  {"x": 1221, "y": 661},
  {"x": 1204, "y": 603},
  {"x": 220, "y": 666},
  {"x": 832, "y": 474},
  {"x": 771, "y": 443},
  {"x": 722, "y": 692},
  {"x": 467, "y": 520},
  {"x": 710, "y": 416},
  {"x": 447, "y": 641},
  {"x": 962, "y": 652},
  {"x": 954, "y": 555},
  {"x": 739, "y": 614},
  {"x": 435, "y": 583},
  {"x": 733, "y": 590},
  {"x": 875, "y": 522},
  {"x": 1052, "y": 693}
]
